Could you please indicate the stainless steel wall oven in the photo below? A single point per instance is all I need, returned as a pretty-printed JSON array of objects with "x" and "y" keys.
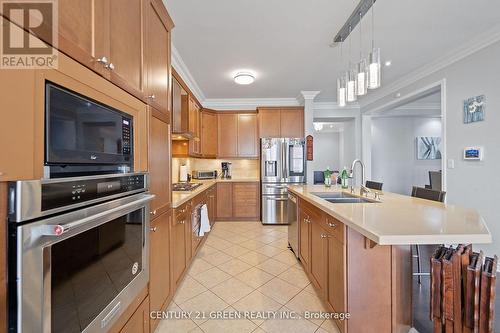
[{"x": 78, "y": 251}]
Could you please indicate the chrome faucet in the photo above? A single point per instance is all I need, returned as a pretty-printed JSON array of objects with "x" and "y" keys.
[{"x": 363, "y": 189}]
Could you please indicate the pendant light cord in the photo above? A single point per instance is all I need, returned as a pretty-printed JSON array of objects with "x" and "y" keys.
[
  {"x": 360, "y": 36},
  {"x": 373, "y": 25}
]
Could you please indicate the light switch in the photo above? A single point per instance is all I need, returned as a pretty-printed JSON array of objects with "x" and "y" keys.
[{"x": 451, "y": 163}]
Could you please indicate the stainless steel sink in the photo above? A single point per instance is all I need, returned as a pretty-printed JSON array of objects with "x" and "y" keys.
[
  {"x": 333, "y": 195},
  {"x": 342, "y": 197}
]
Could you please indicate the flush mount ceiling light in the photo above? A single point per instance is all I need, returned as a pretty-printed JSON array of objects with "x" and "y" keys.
[{"x": 244, "y": 78}]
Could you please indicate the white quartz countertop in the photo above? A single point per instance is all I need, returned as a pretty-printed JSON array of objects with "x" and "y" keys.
[
  {"x": 181, "y": 197},
  {"x": 401, "y": 220}
]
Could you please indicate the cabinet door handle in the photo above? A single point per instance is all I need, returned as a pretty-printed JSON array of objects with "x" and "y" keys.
[
  {"x": 182, "y": 222},
  {"x": 152, "y": 96},
  {"x": 306, "y": 220},
  {"x": 153, "y": 229},
  {"x": 110, "y": 66},
  {"x": 153, "y": 212},
  {"x": 333, "y": 225},
  {"x": 103, "y": 60},
  {"x": 324, "y": 236}
]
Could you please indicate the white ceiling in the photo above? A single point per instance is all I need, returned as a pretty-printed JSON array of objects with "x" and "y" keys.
[{"x": 286, "y": 42}]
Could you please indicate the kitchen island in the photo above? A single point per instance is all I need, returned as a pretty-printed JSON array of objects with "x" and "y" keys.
[{"x": 357, "y": 255}]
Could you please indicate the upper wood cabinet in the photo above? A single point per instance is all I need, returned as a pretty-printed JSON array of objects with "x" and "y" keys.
[
  {"x": 281, "y": 122},
  {"x": 227, "y": 145},
  {"x": 79, "y": 22},
  {"x": 247, "y": 135},
  {"x": 157, "y": 55},
  {"x": 238, "y": 135},
  {"x": 292, "y": 123},
  {"x": 194, "y": 122},
  {"x": 126, "y": 41},
  {"x": 208, "y": 134},
  {"x": 123, "y": 44},
  {"x": 159, "y": 162},
  {"x": 269, "y": 123}
]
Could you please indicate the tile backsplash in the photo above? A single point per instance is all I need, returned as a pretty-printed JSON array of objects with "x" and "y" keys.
[{"x": 242, "y": 168}]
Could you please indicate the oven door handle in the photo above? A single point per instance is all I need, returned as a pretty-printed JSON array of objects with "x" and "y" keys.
[{"x": 61, "y": 229}]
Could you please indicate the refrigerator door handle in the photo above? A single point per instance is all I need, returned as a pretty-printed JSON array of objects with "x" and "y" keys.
[{"x": 283, "y": 160}]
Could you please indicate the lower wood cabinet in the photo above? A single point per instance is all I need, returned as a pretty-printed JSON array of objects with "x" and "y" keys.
[
  {"x": 139, "y": 322},
  {"x": 238, "y": 201},
  {"x": 246, "y": 200},
  {"x": 159, "y": 264},
  {"x": 212, "y": 203},
  {"x": 336, "y": 279},
  {"x": 304, "y": 239},
  {"x": 179, "y": 243},
  {"x": 351, "y": 274},
  {"x": 224, "y": 201},
  {"x": 319, "y": 257}
]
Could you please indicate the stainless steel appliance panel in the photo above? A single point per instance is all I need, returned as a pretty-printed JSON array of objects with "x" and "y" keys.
[
  {"x": 36, "y": 244},
  {"x": 294, "y": 157},
  {"x": 274, "y": 188},
  {"x": 293, "y": 226},
  {"x": 275, "y": 209},
  {"x": 272, "y": 160}
]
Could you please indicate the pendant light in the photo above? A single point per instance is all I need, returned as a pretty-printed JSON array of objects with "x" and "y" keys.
[
  {"x": 362, "y": 78},
  {"x": 351, "y": 77},
  {"x": 374, "y": 68},
  {"x": 341, "y": 84}
]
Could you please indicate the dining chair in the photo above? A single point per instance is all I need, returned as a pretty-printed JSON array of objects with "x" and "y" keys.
[
  {"x": 428, "y": 194},
  {"x": 435, "y": 180},
  {"x": 374, "y": 185}
]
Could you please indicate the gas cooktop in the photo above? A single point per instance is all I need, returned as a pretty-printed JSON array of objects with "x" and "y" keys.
[{"x": 185, "y": 187}]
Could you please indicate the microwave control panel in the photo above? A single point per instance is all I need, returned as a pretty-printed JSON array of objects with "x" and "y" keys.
[{"x": 126, "y": 135}]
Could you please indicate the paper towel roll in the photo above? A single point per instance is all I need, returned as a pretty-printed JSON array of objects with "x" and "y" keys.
[{"x": 183, "y": 173}]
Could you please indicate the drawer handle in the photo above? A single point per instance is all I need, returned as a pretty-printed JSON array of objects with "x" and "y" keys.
[
  {"x": 153, "y": 212},
  {"x": 182, "y": 222},
  {"x": 306, "y": 220},
  {"x": 324, "y": 236},
  {"x": 153, "y": 229},
  {"x": 333, "y": 225},
  {"x": 152, "y": 96},
  {"x": 110, "y": 66}
]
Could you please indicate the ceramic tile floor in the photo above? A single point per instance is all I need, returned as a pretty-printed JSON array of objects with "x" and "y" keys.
[{"x": 245, "y": 266}]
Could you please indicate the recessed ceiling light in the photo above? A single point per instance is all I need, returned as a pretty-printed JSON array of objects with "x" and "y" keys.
[
  {"x": 388, "y": 63},
  {"x": 244, "y": 78}
]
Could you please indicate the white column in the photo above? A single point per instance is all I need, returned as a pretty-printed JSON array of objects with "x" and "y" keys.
[{"x": 308, "y": 97}]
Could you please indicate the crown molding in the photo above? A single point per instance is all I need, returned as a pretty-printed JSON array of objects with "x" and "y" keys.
[
  {"x": 247, "y": 103},
  {"x": 181, "y": 69},
  {"x": 334, "y": 106},
  {"x": 475, "y": 45},
  {"x": 308, "y": 95}
]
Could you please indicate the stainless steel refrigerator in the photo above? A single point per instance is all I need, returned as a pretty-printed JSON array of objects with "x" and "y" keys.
[{"x": 283, "y": 162}]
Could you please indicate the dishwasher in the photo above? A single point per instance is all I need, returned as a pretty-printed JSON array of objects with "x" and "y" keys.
[{"x": 293, "y": 225}]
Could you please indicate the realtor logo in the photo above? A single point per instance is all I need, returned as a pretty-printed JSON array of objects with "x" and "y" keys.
[{"x": 29, "y": 34}]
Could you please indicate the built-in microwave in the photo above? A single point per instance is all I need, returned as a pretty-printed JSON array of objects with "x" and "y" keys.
[{"x": 84, "y": 137}]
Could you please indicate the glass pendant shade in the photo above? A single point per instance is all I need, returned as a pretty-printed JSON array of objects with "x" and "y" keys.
[
  {"x": 362, "y": 78},
  {"x": 341, "y": 91},
  {"x": 374, "y": 69},
  {"x": 352, "y": 85}
]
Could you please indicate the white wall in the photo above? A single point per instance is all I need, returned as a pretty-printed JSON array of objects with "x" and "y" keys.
[
  {"x": 394, "y": 153},
  {"x": 326, "y": 151},
  {"x": 469, "y": 184}
]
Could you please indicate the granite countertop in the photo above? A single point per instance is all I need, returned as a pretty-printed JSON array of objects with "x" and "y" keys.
[
  {"x": 401, "y": 220},
  {"x": 181, "y": 197}
]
